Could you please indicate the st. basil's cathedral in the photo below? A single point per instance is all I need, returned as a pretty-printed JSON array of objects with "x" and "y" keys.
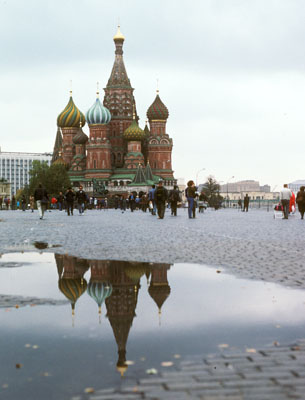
[{"x": 117, "y": 153}]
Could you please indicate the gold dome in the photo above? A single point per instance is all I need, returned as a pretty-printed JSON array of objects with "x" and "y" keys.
[{"x": 119, "y": 35}]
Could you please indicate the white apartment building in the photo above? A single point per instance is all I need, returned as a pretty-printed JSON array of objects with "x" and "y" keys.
[
  {"x": 15, "y": 167},
  {"x": 295, "y": 185}
]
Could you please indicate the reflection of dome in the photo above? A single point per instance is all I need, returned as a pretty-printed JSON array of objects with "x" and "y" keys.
[
  {"x": 135, "y": 271},
  {"x": 98, "y": 114},
  {"x": 99, "y": 291},
  {"x": 72, "y": 289},
  {"x": 157, "y": 111},
  {"x": 159, "y": 293},
  {"x": 71, "y": 116}
]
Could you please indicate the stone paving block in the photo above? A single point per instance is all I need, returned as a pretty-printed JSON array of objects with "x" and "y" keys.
[
  {"x": 165, "y": 395},
  {"x": 219, "y": 377},
  {"x": 186, "y": 374},
  {"x": 193, "y": 385},
  {"x": 105, "y": 391},
  {"x": 153, "y": 381},
  {"x": 249, "y": 382},
  {"x": 116, "y": 396}
]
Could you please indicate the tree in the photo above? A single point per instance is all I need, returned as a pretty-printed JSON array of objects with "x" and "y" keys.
[
  {"x": 211, "y": 190},
  {"x": 54, "y": 178}
]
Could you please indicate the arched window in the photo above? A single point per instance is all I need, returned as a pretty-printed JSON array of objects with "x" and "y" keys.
[
  {"x": 94, "y": 164},
  {"x": 119, "y": 157},
  {"x": 121, "y": 183},
  {"x": 115, "y": 183}
]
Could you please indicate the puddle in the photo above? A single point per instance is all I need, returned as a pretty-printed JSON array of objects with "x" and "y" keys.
[{"x": 92, "y": 321}]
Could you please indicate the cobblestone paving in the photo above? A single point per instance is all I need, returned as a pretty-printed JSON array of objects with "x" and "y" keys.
[
  {"x": 272, "y": 373},
  {"x": 251, "y": 245}
]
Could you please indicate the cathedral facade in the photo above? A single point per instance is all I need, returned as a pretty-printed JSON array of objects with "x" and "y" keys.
[{"x": 118, "y": 154}]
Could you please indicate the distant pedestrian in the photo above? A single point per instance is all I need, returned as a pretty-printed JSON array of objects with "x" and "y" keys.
[
  {"x": 13, "y": 204},
  {"x": 246, "y": 202},
  {"x": 60, "y": 201},
  {"x": 151, "y": 199},
  {"x": 41, "y": 197},
  {"x": 285, "y": 195},
  {"x": 292, "y": 203},
  {"x": 160, "y": 199},
  {"x": 81, "y": 198},
  {"x": 32, "y": 203},
  {"x": 174, "y": 198},
  {"x": 132, "y": 202},
  {"x": 69, "y": 197},
  {"x": 300, "y": 200},
  {"x": 1, "y": 201},
  {"x": 23, "y": 203},
  {"x": 191, "y": 195}
]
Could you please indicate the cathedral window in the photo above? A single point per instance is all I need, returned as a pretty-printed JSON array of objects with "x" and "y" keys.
[{"x": 94, "y": 164}]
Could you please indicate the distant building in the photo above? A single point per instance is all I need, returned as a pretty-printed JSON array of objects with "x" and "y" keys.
[
  {"x": 15, "y": 167},
  {"x": 295, "y": 185},
  {"x": 244, "y": 186}
]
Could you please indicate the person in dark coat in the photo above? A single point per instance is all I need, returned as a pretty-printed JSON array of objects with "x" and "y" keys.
[
  {"x": 81, "y": 198},
  {"x": 160, "y": 196},
  {"x": 174, "y": 197},
  {"x": 41, "y": 197},
  {"x": 60, "y": 201},
  {"x": 246, "y": 202},
  {"x": 69, "y": 197},
  {"x": 300, "y": 200}
]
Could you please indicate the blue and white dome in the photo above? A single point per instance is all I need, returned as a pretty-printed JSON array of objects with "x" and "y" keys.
[{"x": 98, "y": 114}]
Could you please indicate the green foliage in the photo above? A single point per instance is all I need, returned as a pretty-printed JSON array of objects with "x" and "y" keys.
[
  {"x": 211, "y": 190},
  {"x": 55, "y": 178}
]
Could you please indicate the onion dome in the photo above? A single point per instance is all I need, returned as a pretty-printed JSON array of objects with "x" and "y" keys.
[
  {"x": 71, "y": 116},
  {"x": 72, "y": 289},
  {"x": 157, "y": 111},
  {"x": 135, "y": 271},
  {"x": 99, "y": 291},
  {"x": 134, "y": 132},
  {"x": 119, "y": 35},
  {"x": 98, "y": 114},
  {"x": 80, "y": 137},
  {"x": 159, "y": 293}
]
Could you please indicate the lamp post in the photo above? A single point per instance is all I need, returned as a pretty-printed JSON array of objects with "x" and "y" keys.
[
  {"x": 202, "y": 169},
  {"x": 228, "y": 189}
]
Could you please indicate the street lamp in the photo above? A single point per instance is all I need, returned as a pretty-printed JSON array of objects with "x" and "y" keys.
[
  {"x": 228, "y": 189},
  {"x": 202, "y": 169}
]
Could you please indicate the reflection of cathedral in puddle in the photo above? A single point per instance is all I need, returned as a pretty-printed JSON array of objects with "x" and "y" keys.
[{"x": 117, "y": 284}]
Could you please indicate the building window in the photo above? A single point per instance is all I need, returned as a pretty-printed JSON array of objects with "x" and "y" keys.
[{"x": 94, "y": 164}]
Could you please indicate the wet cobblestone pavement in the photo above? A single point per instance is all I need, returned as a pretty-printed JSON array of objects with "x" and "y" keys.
[{"x": 250, "y": 245}]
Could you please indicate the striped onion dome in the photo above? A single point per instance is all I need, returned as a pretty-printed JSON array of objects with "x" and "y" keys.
[
  {"x": 135, "y": 271},
  {"x": 71, "y": 116},
  {"x": 99, "y": 291},
  {"x": 80, "y": 137},
  {"x": 157, "y": 111},
  {"x": 72, "y": 288},
  {"x": 134, "y": 132},
  {"x": 98, "y": 114}
]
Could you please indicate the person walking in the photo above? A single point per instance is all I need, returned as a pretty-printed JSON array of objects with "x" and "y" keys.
[
  {"x": 81, "y": 198},
  {"x": 174, "y": 197},
  {"x": 190, "y": 195},
  {"x": 23, "y": 203},
  {"x": 160, "y": 199},
  {"x": 300, "y": 200},
  {"x": 131, "y": 201},
  {"x": 69, "y": 197},
  {"x": 246, "y": 203},
  {"x": 151, "y": 198},
  {"x": 60, "y": 201},
  {"x": 32, "y": 203},
  {"x": 13, "y": 204},
  {"x": 285, "y": 195},
  {"x": 41, "y": 197}
]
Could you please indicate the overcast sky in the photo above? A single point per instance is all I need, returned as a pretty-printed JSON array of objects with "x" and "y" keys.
[{"x": 231, "y": 72}]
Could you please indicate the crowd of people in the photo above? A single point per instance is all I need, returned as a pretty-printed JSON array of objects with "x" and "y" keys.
[{"x": 154, "y": 201}]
